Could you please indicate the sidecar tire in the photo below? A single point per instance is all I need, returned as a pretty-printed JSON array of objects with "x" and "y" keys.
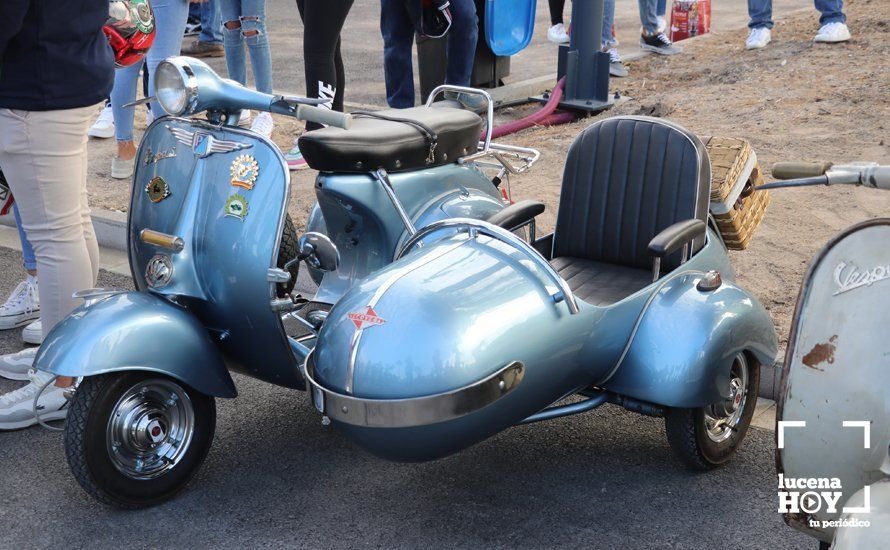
[
  {"x": 287, "y": 251},
  {"x": 687, "y": 431},
  {"x": 87, "y": 451}
]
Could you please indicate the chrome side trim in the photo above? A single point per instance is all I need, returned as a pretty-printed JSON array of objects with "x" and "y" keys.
[
  {"x": 474, "y": 227},
  {"x": 417, "y": 411}
]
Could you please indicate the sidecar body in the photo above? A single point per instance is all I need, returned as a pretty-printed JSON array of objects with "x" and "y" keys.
[{"x": 477, "y": 331}]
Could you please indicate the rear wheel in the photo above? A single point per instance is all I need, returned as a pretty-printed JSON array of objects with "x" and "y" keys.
[
  {"x": 135, "y": 439},
  {"x": 706, "y": 437}
]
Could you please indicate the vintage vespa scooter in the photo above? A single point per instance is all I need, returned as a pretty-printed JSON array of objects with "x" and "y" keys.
[
  {"x": 833, "y": 417},
  {"x": 214, "y": 262}
]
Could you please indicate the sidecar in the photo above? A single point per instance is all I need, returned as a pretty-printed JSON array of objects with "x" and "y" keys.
[{"x": 631, "y": 301}]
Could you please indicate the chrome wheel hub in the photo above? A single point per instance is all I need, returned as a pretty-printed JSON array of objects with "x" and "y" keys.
[
  {"x": 722, "y": 418},
  {"x": 150, "y": 429}
]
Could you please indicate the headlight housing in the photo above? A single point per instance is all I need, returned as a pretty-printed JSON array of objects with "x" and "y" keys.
[{"x": 176, "y": 87}]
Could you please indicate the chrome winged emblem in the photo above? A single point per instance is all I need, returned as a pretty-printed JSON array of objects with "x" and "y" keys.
[{"x": 203, "y": 144}]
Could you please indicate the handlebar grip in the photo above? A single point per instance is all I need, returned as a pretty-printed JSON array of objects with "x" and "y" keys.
[
  {"x": 791, "y": 170},
  {"x": 881, "y": 177},
  {"x": 324, "y": 116}
]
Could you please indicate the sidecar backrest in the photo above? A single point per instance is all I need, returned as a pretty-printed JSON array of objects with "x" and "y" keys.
[
  {"x": 627, "y": 178},
  {"x": 373, "y": 143}
]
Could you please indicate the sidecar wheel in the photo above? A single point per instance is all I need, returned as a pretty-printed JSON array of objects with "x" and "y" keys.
[
  {"x": 135, "y": 439},
  {"x": 287, "y": 251},
  {"x": 706, "y": 437}
]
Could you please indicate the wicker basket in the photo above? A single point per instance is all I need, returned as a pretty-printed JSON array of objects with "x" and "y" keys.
[{"x": 734, "y": 172}]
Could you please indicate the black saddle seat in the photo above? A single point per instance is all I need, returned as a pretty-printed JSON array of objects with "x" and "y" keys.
[{"x": 372, "y": 143}]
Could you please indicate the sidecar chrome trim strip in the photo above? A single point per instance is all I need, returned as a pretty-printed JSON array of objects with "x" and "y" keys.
[
  {"x": 357, "y": 335},
  {"x": 417, "y": 411}
]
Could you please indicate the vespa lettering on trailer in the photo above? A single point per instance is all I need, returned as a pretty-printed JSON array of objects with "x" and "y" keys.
[{"x": 848, "y": 277}]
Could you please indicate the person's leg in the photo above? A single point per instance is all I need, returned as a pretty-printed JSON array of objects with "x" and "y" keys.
[
  {"x": 124, "y": 92},
  {"x": 29, "y": 260},
  {"x": 608, "y": 21},
  {"x": 170, "y": 18},
  {"x": 832, "y": 11},
  {"x": 253, "y": 28},
  {"x": 397, "y": 29},
  {"x": 661, "y": 8},
  {"x": 323, "y": 20},
  {"x": 211, "y": 31},
  {"x": 233, "y": 40},
  {"x": 341, "y": 78},
  {"x": 556, "y": 9},
  {"x": 760, "y": 14},
  {"x": 462, "y": 42},
  {"x": 44, "y": 155},
  {"x": 648, "y": 18}
]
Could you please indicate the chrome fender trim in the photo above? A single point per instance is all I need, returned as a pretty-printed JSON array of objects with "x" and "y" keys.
[{"x": 417, "y": 411}]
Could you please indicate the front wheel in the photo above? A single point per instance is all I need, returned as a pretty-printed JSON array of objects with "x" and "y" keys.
[
  {"x": 706, "y": 437},
  {"x": 135, "y": 439}
]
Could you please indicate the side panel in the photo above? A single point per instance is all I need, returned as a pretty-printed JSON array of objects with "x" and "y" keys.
[
  {"x": 837, "y": 369},
  {"x": 366, "y": 228},
  {"x": 135, "y": 331},
  {"x": 683, "y": 348},
  {"x": 231, "y": 224}
]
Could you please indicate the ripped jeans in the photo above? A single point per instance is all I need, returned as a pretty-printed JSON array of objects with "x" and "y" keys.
[{"x": 244, "y": 21}]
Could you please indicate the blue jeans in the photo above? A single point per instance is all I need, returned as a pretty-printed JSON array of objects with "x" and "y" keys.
[
  {"x": 30, "y": 262},
  {"x": 661, "y": 7},
  {"x": 608, "y": 21},
  {"x": 170, "y": 18},
  {"x": 210, "y": 25},
  {"x": 648, "y": 15},
  {"x": 760, "y": 12},
  {"x": 250, "y": 16},
  {"x": 399, "y": 20}
]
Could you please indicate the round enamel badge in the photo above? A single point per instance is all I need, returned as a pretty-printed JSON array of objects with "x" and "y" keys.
[{"x": 244, "y": 171}]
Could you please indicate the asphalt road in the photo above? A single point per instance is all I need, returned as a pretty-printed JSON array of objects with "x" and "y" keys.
[{"x": 276, "y": 477}]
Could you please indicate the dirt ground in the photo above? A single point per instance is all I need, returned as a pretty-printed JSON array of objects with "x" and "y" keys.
[{"x": 794, "y": 100}]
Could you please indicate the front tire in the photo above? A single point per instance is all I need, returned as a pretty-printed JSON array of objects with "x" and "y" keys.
[
  {"x": 705, "y": 438},
  {"x": 135, "y": 439}
]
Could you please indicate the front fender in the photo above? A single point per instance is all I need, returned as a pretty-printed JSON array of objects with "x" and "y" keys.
[
  {"x": 135, "y": 331},
  {"x": 683, "y": 348}
]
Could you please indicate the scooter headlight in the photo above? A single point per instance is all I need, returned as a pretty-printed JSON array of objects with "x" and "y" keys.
[{"x": 176, "y": 87}]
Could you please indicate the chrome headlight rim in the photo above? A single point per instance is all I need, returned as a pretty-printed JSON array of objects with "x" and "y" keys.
[{"x": 188, "y": 81}]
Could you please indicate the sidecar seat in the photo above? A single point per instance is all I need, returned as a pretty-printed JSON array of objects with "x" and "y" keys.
[{"x": 631, "y": 185}]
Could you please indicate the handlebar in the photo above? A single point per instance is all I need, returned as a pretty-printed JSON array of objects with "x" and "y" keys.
[
  {"x": 801, "y": 174},
  {"x": 324, "y": 116}
]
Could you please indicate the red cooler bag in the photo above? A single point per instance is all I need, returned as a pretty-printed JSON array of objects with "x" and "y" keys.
[{"x": 690, "y": 18}]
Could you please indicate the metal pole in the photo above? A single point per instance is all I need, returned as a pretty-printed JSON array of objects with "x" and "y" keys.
[{"x": 587, "y": 67}]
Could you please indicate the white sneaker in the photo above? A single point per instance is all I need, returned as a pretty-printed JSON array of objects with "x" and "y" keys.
[
  {"x": 22, "y": 306},
  {"x": 833, "y": 32},
  {"x": 15, "y": 366},
  {"x": 33, "y": 333},
  {"x": 758, "y": 38},
  {"x": 557, "y": 34},
  {"x": 104, "y": 126},
  {"x": 244, "y": 118},
  {"x": 662, "y": 23},
  {"x": 17, "y": 407},
  {"x": 263, "y": 125},
  {"x": 122, "y": 169}
]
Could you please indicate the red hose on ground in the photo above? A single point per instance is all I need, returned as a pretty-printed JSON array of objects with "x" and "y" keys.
[{"x": 545, "y": 117}]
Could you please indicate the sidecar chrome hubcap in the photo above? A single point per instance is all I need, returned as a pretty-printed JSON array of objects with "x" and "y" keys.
[
  {"x": 722, "y": 418},
  {"x": 150, "y": 429}
]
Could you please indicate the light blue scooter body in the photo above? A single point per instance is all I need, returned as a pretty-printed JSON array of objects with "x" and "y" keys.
[
  {"x": 219, "y": 286},
  {"x": 509, "y": 25},
  {"x": 454, "y": 317},
  {"x": 356, "y": 213}
]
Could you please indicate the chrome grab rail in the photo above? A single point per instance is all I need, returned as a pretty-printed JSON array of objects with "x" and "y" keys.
[
  {"x": 474, "y": 227},
  {"x": 501, "y": 153},
  {"x": 416, "y": 411},
  {"x": 489, "y": 118}
]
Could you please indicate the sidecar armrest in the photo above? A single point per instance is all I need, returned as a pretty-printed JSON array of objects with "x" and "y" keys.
[
  {"x": 517, "y": 214},
  {"x": 671, "y": 238}
]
